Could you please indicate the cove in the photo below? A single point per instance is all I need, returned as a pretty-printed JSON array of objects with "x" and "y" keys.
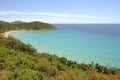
[{"x": 83, "y": 43}]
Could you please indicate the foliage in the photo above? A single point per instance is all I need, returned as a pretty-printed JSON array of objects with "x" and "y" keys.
[
  {"x": 4, "y": 26},
  {"x": 26, "y": 74}
]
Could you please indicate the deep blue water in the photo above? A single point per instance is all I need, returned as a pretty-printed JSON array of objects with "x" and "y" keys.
[{"x": 83, "y": 43}]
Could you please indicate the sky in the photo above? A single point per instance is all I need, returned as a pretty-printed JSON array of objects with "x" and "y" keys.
[{"x": 61, "y": 11}]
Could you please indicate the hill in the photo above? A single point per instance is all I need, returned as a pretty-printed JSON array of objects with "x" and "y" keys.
[
  {"x": 4, "y": 26},
  {"x": 3, "y": 22},
  {"x": 17, "y": 22}
]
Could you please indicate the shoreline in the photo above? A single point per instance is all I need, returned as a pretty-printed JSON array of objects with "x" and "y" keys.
[{"x": 7, "y": 33}]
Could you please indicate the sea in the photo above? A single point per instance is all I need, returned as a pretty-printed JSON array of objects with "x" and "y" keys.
[{"x": 83, "y": 43}]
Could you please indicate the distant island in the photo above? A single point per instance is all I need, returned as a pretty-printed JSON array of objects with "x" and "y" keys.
[{"x": 20, "y": 61}]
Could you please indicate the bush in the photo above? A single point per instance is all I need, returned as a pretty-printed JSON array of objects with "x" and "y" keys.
[{"x": 26, "y": 74}]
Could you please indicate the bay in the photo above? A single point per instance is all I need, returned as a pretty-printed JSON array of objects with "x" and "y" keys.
[{"x": 83, "y": 43}]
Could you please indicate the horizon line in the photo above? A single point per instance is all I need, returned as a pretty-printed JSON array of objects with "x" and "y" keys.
[{"x": 58, "y": 23}]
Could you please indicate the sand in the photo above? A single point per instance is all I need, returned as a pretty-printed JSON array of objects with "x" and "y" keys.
[{"x": 7, "y": 33}]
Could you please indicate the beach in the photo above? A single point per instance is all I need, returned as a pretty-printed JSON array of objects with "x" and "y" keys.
[{"x": 7, "y": 33}]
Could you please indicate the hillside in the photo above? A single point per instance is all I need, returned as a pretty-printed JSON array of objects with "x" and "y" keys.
[
  {"x": 19, "y": 61},
  {"x": 17, "y": 22},
  {"x": 3, "y": 22},
  {"x": 4, "y": 26}
]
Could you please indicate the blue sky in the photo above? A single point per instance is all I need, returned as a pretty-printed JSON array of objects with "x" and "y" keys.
[{"x": 61, "y": 11}]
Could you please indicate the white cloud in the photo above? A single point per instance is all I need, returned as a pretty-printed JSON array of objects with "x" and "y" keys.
[
  {"x": 49, "y": 14},
  {"x": 49, "y": 17},
  {"x": 10, "y": 12},
  {"x": 46, "y": 14},
  {"x": 92, "y": 16}
]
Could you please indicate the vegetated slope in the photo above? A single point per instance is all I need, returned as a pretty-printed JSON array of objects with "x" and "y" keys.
[
  {"x": 19, "y": 61},
  {"x": 17, "y": 22},
  {"x": 4, "y": 26}
]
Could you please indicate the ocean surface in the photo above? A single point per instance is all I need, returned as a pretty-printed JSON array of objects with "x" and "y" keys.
[{"x": 83, "y": 43}]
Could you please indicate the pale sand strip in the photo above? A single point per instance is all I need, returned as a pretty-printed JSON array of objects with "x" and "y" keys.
[{"x": 7, "y": 33}]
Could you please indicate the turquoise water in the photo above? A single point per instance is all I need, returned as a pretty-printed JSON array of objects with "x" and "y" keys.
[{"x": 83, "y": 43}]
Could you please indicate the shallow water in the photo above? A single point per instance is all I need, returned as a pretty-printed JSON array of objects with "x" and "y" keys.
[{"x": 84, "y": 43}]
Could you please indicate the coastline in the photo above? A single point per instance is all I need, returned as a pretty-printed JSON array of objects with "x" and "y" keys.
[{"x": 7, "y": 33}]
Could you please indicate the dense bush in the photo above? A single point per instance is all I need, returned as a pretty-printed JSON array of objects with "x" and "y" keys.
[
  {"x": 26, "y": 74},
  {"x": 25, "y": 26}
]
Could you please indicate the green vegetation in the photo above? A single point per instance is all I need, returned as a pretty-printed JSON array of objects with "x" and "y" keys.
[
  {"x": 19, "y": 61},
  {"x": 5, "y": 26}
]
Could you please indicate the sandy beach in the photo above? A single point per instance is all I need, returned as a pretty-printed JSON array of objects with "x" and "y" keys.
[{"x": 7, "y": 33}]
